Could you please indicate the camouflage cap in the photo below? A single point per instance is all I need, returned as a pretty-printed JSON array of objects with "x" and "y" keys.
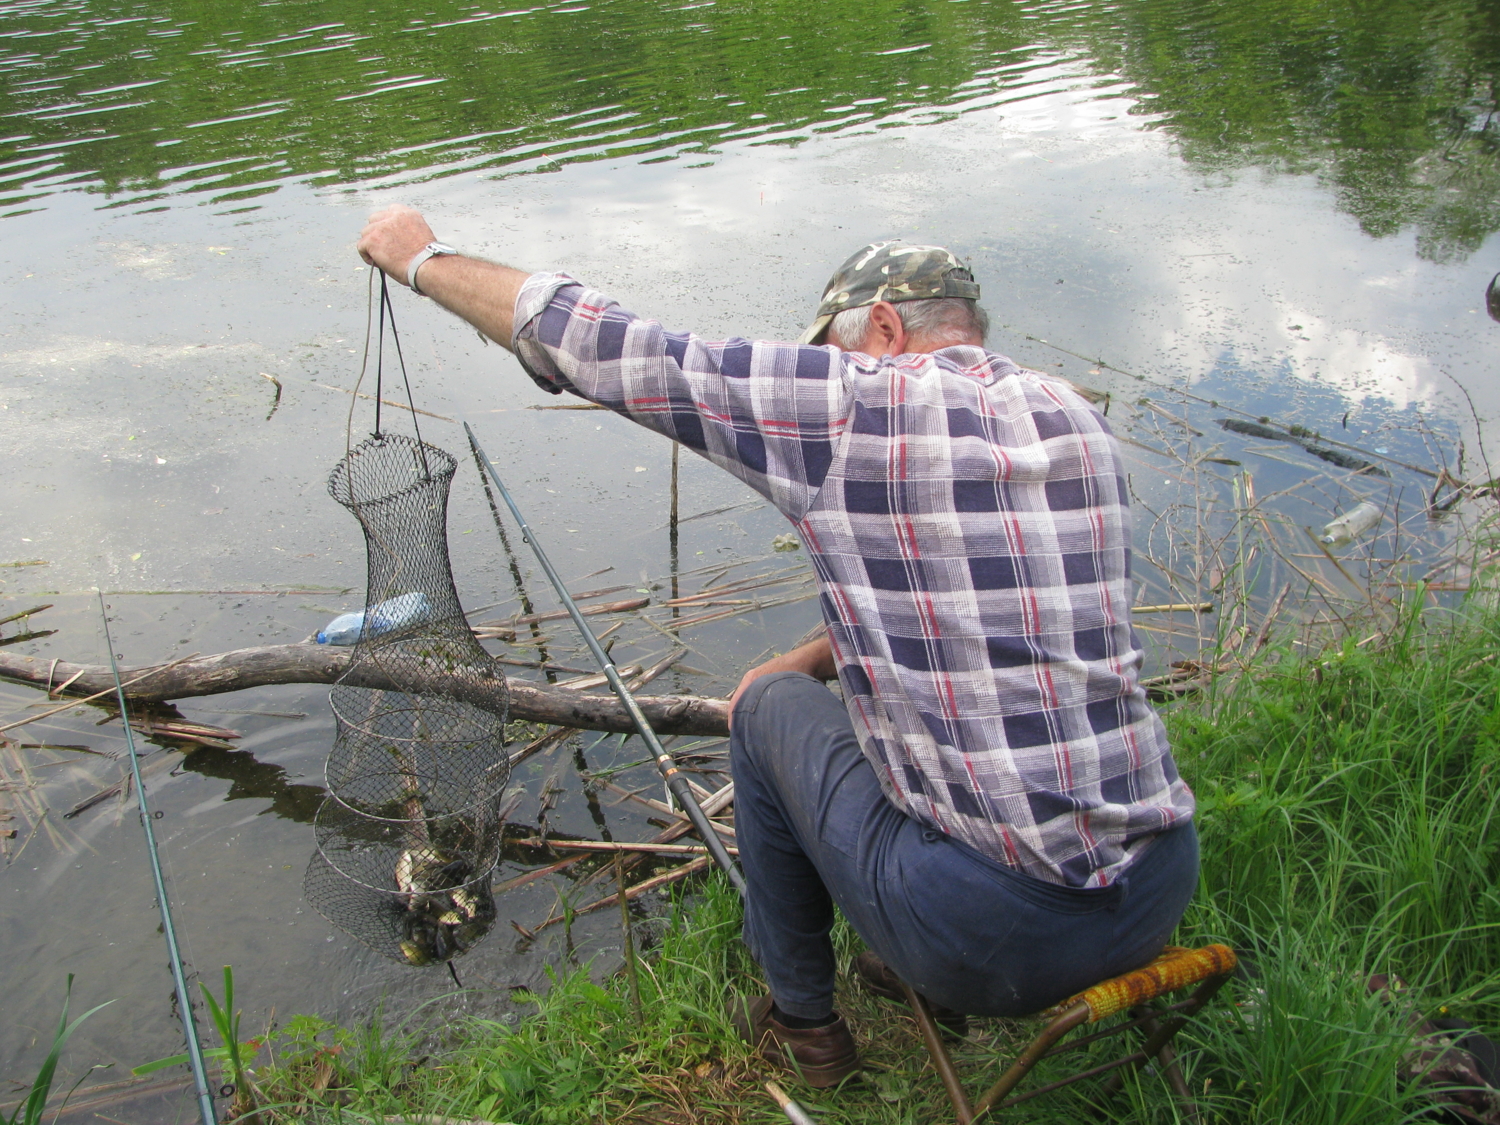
[{"x": 891, "y": 271}]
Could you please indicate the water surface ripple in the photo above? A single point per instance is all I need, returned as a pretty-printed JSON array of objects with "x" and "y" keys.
[{"x": 149, "y": 103}]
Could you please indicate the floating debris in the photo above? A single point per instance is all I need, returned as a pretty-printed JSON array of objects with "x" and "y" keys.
[{"x": 1351, "y": 525}]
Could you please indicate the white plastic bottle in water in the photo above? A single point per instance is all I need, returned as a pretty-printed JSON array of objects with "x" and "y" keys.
[
  {"x": 394, "y": 613},
  {"x": 1352, "y": 524}
]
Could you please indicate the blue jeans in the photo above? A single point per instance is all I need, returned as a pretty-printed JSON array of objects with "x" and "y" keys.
[{"x": 967, "y": 932}]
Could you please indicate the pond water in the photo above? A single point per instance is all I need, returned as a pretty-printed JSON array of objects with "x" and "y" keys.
[{"x": 1258, "y": 210}]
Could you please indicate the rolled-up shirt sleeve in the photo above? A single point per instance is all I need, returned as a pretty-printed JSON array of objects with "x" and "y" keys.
[{"x": 770, "y": 413}]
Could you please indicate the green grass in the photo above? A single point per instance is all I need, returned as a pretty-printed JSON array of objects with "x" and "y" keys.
[
  {"x": 1348, "y": 822},
  {"x": 34, "y": 1106}
]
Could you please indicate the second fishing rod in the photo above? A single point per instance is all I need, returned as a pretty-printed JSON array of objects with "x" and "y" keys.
[{"x": 676, "y": 781}]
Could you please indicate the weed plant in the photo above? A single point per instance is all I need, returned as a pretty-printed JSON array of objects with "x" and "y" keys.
[
  {"x": 32, "y": 1108},
  {"x": 232, "y": 1054},
  {"x": 1347, "y": 812}
]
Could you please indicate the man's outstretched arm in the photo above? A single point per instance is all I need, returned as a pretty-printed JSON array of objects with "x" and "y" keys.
[
  {"x": 483, "y": 293},
  {"x": 770, "y": 413}
]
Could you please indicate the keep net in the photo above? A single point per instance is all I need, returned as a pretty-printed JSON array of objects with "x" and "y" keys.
[{"x": 410, "y": 831}]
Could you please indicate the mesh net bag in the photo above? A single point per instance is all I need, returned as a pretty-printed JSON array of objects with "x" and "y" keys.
[{"x": 410, "y": 831}]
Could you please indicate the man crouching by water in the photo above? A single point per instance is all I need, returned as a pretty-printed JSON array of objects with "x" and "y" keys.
[{"x": 993, "y": 805}]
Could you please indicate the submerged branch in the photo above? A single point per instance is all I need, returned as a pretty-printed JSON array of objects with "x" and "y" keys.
[{"x": 320, "y": 664}]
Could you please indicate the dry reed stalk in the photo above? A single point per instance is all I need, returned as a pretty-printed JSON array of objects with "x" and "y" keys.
[
  {"x": 740, "y": 611},
  {"x": 757, "y": 583},
  {"x": 182, "y": 727},
  {"x": 587, "y": 594},
  {"x": 25, "y": 613},
  {"x": 537, "y": 745},
  {"x": 597, "y": 678},
  {"x": 541, "y": 873},
  {"x": 639, "y": 889},
  {"x": 28, "y": 802},
  {"x": 56, "y": 692},
  {"x": 515, "y": 641},
  {"x": 615, "y": 846},
  {"x": 665, "y": 809},
  {"x": 673, "y": 637},
  {"x": 385, "y": 401},
  {"x": 621, "y": 606},
  {"x": 672, "y": 832},
  {"x": 656, "y": 669},
  {"x": 544, "y": 666},
  {"x": 675, "y": 602},
  {"x": 615, "y": 628}
]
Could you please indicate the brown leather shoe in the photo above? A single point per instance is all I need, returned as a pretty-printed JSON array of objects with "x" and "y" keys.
[
  {"x": 877, "y": 977},
  {"x": 821, "y": 1056}
]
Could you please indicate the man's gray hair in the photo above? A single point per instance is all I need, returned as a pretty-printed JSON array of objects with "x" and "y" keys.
[{"x": 936, "y": 321}]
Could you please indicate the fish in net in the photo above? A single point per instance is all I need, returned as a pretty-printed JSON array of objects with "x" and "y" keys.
[{"x": 410, "y": 831}]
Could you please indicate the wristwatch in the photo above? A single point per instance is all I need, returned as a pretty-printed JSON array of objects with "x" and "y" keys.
[{"x": 431, "y": 250}]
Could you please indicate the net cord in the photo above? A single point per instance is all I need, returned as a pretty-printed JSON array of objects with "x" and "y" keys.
[
  {"x": 676, "y": 782},
  {"x": 364, "y": 364},
  {"x": 386, "y": 308},
  {"x": 380, "y": 357},
  {"x": 179, "y": 978}
]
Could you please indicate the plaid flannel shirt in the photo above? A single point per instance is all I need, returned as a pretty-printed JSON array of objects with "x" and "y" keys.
[{"x": 968, "y": 523}]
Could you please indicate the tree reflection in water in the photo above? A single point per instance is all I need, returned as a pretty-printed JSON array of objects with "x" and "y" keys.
[{"x": 252, "y": 779}]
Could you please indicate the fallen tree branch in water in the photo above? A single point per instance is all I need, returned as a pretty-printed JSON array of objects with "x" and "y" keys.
[{"x": 322, "y": 664}]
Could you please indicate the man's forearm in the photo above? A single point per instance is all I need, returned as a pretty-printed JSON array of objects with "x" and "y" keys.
[
  {"x": 815, "y": 658},
  {"x": 483, "y": 293}
]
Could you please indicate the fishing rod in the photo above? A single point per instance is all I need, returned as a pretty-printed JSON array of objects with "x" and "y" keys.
[
  {"x": 676, "y": 782},
  {"x": 179, "y": 979}
]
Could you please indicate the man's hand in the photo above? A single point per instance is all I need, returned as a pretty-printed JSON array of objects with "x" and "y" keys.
[
  {"x": 392, "y": 237},
  {"x": 483, "y": 293},
  {"x": 814, "y": 659}
]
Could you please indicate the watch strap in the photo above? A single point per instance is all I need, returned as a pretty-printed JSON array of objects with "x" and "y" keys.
[{"x": 431, "y": 250}]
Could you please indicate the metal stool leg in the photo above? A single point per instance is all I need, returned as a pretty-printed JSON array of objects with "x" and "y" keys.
[
  {"x": 1167, "y": 1056},
  {"x": 940, "y": 1057},
  {"x": 1159, "y": 1034},
  {"x": 1150, "y": 1027},
  {"x": 1158, "y": 1027},
  {"x": 1060, "y": 1026}
]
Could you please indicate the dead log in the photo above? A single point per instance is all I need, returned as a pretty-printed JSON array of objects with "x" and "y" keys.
[{"x": 321, "y": 664}]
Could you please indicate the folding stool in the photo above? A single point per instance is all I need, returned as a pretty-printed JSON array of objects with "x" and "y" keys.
[{"x": 1174, "y": 970}]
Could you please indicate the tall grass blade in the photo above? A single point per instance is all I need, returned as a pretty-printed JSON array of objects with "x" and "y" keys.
[{"x": 30, "y": 1111}]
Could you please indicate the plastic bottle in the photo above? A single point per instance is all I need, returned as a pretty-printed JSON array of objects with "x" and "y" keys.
[
  {"x": 394, "y": 613},
  {"x": 1352, "y": 524}
]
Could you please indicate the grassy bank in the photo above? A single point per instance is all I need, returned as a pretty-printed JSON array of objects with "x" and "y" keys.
[{"x": 1347, "y": 813}]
